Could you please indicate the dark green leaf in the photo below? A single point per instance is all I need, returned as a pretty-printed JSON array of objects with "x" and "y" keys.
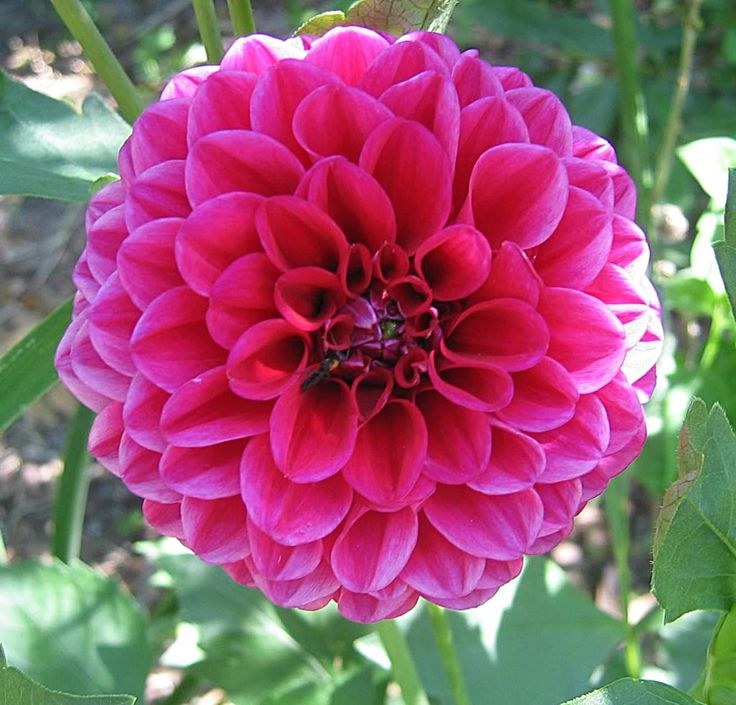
[
  {"x": 72, "y": 629},
  {"x": 48, "y": 149},
  {"x": 401, "y": 16},
  {"x": 730, "y": 216},
  {"x": 27, "y": 369},
  {"x": 633, "y": 692}
]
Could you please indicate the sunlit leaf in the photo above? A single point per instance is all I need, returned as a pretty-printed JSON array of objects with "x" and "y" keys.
[
  {"x": 400, "y": 16},
  {"x": 319, "y": 24},
  {"x": 634, "y": 692}
]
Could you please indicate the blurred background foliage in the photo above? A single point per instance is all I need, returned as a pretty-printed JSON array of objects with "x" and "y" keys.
[{"x": 202, "y": 649}]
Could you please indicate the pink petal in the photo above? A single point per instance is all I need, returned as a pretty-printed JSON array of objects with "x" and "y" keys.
[
  {"x": 222, "y": 103},
  {"x": 214, "y": 236},
  {"x": 290, "y": 513},
  {"x": 474, "y": 79},
  {"x": 308, "y": 296},
  {"x": 265, "y": 358},
  {"x": 236, "y": 306},
  {"x": 212, "y": 472},
  {"x": 459, "y": 439},
  {"x": 474, "y": 336},
  {"x": 579, "y": 247},
  {"x": 103, "y": 242},
  {"x": 157, "y": 193},
  {"x": 105, "y": 435},
  {"x": 544, "y": 397},
  {"x": 588, "y": 145},
  {"x": 367, "y": 609},
  {"x": 347, "y": 51},
  {"x": 139, "y": 470},
  {"x": 142, "y": 413},
  {"x": 561, "y": 501},
  {"x": 545, "y": 116},
  {"x": 497, "y": 573},
  {"x": 336, "y": 120},
  {"x": 414, "y": 170},
  {"x": 108, "y": 197},
  {"x": 454, "y": 262},
  {"x": 165, "y": 518},
  {"x": 353, "y": 199},
  {"x": 92, "y": 370},
  {"x": 389, "y": 453},
  {"x": 186, "y": 83},
  {"x": 239, "y": 160},
  {"x": 585, "y": 337},
  {"x": 215, "y": 529},
  {"x": 258, "y": 52},
  {"x": 546, "y": 542},
  {"x": 373, "y": 548},
  {"x": 160, "y": 134},
  {"x": 371, "y": 391},
  {"x": 629, "y": 250},
  {"x": 438, "y": 568},
  {"x": 146, "y": 261},
  {"x": 83, "y": 278},
  {"x": 317, "y": 587},
  {"x": 278, "y": 562},
  {"x": 204, "y": 411},
  {"x": 624, "y": 190},
  {"x": 516, "y": 462},
  {"x": 592, "y": 177},
  {"x": 625, "y": 415},
  {"x": 441, "y": 44},
  {"x": 511, "y": 77},
  {"x": 490, "y": 527},
  {"x": 170, "y": 343},
  {"x": 512, "y": 276}
]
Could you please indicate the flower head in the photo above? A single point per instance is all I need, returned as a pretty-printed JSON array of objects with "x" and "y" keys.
[{"x": 363, "y": 320}]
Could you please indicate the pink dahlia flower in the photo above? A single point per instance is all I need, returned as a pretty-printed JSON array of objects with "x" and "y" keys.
[{"x": 363, "y": 320}]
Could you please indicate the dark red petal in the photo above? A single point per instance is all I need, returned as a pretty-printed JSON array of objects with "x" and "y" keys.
[
  {"x": 356, "y": 271},
  {"x": 490, "y": 527},
  {"x": 411, "y": 294},
  {"x": 512, "y": 276},
  {"x": 390, "y": 262},
  {"x": 308, "y": 296},
  {"x": 371, "y": 390},
  {"x": 215, "y": 529},
  {"x": 400, "y": 62},
  {"x": 290, "y": 513},
  {"x": 313, "y": 432},
  {"x": 142, "y": 413},
  {"x": 160, "y": 134},
  {"x": 274, "y": 561},
  {"x": 204, "y": 411},
  {"x": 546, "y": 118},
  {"x": 139, "y": 470},
  {"x": 265, "y": 358},
  {"x": 157, "y": 193},
  {"x": 389, "y": 453}
]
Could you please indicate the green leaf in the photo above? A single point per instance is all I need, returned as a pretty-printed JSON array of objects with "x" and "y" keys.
[
  {"x": 73, "y": 629},
  {"x": 401, "y": 16},
  {"x": 720, "y": 674},
  {"x": 27, "y": 369},
  {"x": 730, "y": 215},
  {"x": 695, "y": 543},
  {"x": 18, "y": 689},
  {"x": 634, "y": 692},
  {"x": 709, "y": 160},
  {"x": 726, "y": 250},
  {"x": 50, "y": 150},
  {"x": 319, "y": 24}
]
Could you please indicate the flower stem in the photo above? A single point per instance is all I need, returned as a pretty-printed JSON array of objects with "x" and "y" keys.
[
  {"x": 83, "y": 29},
  {"x": 453, "y": 669},
  {"x": 402, "y": 663},
  {"x": 241, "y": 16},
  {"x": 716, "y": 683},
  {"x": 691, "y": 27},
  {"x": 71, "y": 492},
  {"x": 209, "y": 29}
]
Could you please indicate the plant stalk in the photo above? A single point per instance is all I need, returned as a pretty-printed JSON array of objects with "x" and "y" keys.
[
  {"x": 71, "y": 492},
  {"x": 402, "y": 664},
  {"x": 241, "y": 17},
  {"x": 83, "y": 29},
  {"x": 209, "y": 29},
  {"x": 450, "y": 660}
]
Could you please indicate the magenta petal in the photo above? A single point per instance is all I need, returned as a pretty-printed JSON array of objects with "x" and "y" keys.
[
  {"x": 347, "y": 51},
  {"x": 274, "y": 561},
  {"x": 591, "y": 176},
  {"x": 265, "y": 358},
  {"x": 308, "y": 296},
  {"x": 545, "y": 116},
  {"x": 92, "y": 371},
  {"x": 585, "y": 337},
  {"x": 373, "y": 548},
  {"x": 629, "y": 250},
  {"x": 512, "y": 276},
  {"x": 83, "y": 278},
  {"x": 142, "y": 413},
  {"x": 490, "y": 527},
  {"x": 215, "y": 529},
  {"x": 561, "y": 501},
  {"x": 139, "y": 470},
  {"x": 222, "y": 103},
  {"x": 212, "y": 472},
  {"x": 290, "y": 513},
  {"x": 241, "y": 298},
  {"x": 310, "y": 592},
  {"x": 170, "y": 343},
  {"x": 165, "y": 518},
  {"x": 160, "y": 134},
  {"x": 414, "y": 170},
  {"x": 214, "y": 236},
  {"x": 157, "y": 193},
  {"x": 336, "y": 120},
  {"x": 258, "y": 52},
  {"x": 204, "y": 411},
  {"x": 108, "y": 197},
  {"x": 366, "y": 609},
  {"x": 442, "y": 45},
  {"x": 511, "y": 77},
  {"x": 518, "y": 192},
  {"x": 459, "y": 439},
  {"x": 588, "y": 145},
  {"x": 353, "y": 199},
  {"x": 439, "y": 568},
  {"x": 186, "y": 83},
  {"x": 516, "y": 462},
  {"x": 313, "y": 432},
  {"x": 476, "y": 335},
  {"x": 240, "y": 160},
  {"x": 474, "y": 79},
  {"x": 105, "y": 435},
  {"x": 544, "y": 398},
  {"x": 579, "y": 247},
  {"x": 625, "y": 415},
  {"x": 389, "y": 453},
  {"x": 146, "y": 261},
  {"x": 103, "y": 242}
]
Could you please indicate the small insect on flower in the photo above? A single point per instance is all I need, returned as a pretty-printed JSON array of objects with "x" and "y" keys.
[{"x": 330, "y": 363}]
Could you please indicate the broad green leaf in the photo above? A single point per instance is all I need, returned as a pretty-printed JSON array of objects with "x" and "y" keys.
[
  {"x": 539, "y": 621},
  {"x": 319, "y": 24},
  {"x": 634, "y": 692},
  {"x": 27, "y": 370},
  {"x": 72, "y": 629},
  {"x": 401, "y": 16},
  {"x": 17, "y": 689},
  {"x": 719, "y": 687},
  {"x": 708, "y": 160},
  {"x": 695, "y": 544},
  {"x": 48, "y": 149}
]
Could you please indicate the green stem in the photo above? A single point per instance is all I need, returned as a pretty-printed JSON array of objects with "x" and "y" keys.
[
  {"x": 3, "y": 550},
  {"x": 717, "y": 685},
  {"x": 634, "y": 123},
  {"x": 241, "y": 16},
  {"x": 402, "y": 664},
  {"x": 209, "y": 29},
  {"x": 453, "y": 669},
  {"x": 83, "y": 29},
  {"x": 691, "y": 27},
  {"x": 71, "y": 492}
]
